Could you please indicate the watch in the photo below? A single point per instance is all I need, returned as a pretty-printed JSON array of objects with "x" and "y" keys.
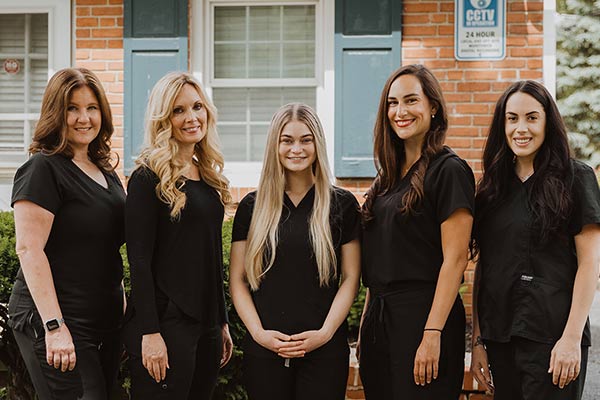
[{"x": 53, "y": 324}]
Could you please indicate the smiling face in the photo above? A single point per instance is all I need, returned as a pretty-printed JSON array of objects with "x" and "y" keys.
[
  {"x": 188, "y": 117},
  {"x": 84, "y": 118},
  {"x": 296, "y": 147},
  {"x": 409, "y": 109},
  {"x": 525, "y": 126}
]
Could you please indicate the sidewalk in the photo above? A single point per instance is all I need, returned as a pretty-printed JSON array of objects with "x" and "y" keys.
[{"x": 592, "y": 381}]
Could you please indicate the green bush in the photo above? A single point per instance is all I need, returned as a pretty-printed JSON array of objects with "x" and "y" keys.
[{"x": 19, "y": 387}]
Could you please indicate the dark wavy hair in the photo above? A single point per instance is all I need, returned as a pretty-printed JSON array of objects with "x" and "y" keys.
[
  {"x": 389, "y": 148},
  {"x": 550, "y": 196},
  {"x": 50, "y": 135}
]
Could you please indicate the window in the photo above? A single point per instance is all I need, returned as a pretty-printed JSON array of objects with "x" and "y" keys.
[{"x": 263, "y": 57}]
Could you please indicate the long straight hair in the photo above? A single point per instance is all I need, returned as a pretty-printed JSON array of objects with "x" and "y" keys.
[
  {"x": 263, "y": 232},
  {"x": 389, "y": 148},
  {"x": 161, "y": 147}
]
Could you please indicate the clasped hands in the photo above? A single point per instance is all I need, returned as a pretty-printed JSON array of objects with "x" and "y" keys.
[{"x": 291, "y": 346}]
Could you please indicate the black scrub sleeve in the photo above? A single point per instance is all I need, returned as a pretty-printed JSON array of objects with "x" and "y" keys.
[
  {"x": 454, "y": 188},
  {"x": 586, "y": 209},
  {"x": 36, "y": 181},
  {"x": 141, "y": 219},
  {"x": 349, "y": 208},
  {"x": 243, "y": 216}
]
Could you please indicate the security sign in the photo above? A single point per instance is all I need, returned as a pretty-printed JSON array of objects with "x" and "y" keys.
[
  {"x": 480, "y": 30},
  {"x": 11, "y": 66}
]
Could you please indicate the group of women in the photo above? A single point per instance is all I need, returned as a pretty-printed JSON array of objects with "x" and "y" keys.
[{"x": 299, "y": 245}]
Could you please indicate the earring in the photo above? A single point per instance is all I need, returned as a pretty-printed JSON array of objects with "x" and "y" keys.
[{"x": 432, "y": 116}]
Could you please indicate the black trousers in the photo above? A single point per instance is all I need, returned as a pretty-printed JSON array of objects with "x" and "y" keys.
[
  {"x": 304, "y": 379},
  {"x": 92, "y": 378},
  {"x": 520, "y": 371},
  {"x": 194, "y": 353},
  {"x": 391, "y": 333}
]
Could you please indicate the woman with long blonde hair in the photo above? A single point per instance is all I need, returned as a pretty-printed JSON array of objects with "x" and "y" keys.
[
  {"x": 295, "y": 262},
  {"x": 176, "y": 331}
]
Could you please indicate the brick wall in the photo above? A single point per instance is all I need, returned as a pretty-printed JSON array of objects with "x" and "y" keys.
[{"x": 99, "y": 47}]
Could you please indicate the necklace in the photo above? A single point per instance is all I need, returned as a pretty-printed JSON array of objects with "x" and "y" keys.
[{"x": 524, "y": 178}]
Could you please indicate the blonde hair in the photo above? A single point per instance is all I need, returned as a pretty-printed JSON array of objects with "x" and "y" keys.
[
  {"x": 262, "y": 234},
  {"x": 161, "y": 147}
]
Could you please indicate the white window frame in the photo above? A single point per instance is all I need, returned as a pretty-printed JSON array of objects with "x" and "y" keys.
[
  {"x": 59, "y": 56},
  {"x": 246, "y": 174}
]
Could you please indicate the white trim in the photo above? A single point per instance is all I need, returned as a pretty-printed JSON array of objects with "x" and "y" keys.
[
  {"x": 246, "y": 174},
  {"x": 549, "y": 60}
]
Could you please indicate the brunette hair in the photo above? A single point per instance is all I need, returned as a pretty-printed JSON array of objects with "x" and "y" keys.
[
  {"x": 550, "y": 197},
  {"x": 161, "y": 146},
  {"x": 263, "y": 230},
  {"x": 50, "y": 135},
  {"x": 389, "y": 148}
]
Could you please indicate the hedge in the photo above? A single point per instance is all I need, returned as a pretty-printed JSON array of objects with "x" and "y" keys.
[{"x": 18, "y": 385}]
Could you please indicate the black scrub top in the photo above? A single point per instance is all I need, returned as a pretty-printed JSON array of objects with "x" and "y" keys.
[
  {"x": 289, "y": 298},
  {"x": 83, "y": 245},
  {"x": 526, "y": 287},
  {"x": 181, "y": 259},
  {"x": 406, "y": 249}
]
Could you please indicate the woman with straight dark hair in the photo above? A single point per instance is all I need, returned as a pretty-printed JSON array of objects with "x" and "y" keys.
[
  {"x": 176, "y": 331},
  {"x": 537, "y": 237},
  {"x": 295, "y": 266},
  {"x": 67, "y": 302},
  {"x": 417, "y": 227}
]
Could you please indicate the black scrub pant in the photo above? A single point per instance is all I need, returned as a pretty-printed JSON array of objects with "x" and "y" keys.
[
  {"x": 194, "y": 353},
  {"x": 520, "y": 371},
  {"x": 391, "y": 333},
  {"x": 92, "y": 378},
  {"x": 304, "y": 379}
]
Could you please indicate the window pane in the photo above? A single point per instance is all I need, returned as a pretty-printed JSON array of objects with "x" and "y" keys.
[
  {"x": 264, "y": 102},
  {"x": 299, "y": 23},
  {"x": 233, "y": 141},
  {"x": 39, "y": 79},
  {"x": 12, "y": 136},
  {"x": 12, "y": 90},
  {"x": 230, "y": 23},
  {"x": 265, "y": 23},
  {"x": 230, "y": 61},
  {"x": 298, "y": 60},
  {"x": 300, "y": 95},
  {"x": 12, "y": 33},
  {"x": 264, "y": 61},
  {"x": 230, "y": 103},
  {"x": 39, "y": 33},
  {"x": 258, "y": 140}
]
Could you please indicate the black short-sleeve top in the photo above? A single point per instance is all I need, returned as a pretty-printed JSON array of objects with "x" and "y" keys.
[
  {"x": 84, "y": 241},
  {"x": 180, "y": 259},
  {"x": 289, "y": 298},
  {"x": 401, "y": 249},
  {"x": 526, "y": 286}
]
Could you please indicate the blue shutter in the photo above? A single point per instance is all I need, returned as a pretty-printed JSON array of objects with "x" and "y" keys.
[
  {"x": 155, "y": 42},
  {"x": 367, "y": 50}
]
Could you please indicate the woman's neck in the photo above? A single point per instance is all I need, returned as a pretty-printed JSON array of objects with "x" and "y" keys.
[
  {"x": 299, "y": 182},
  {"x": 524, "y": 168},
  {"x": 412, "y": 152}
]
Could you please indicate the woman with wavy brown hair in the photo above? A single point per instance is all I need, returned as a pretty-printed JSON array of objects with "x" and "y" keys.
[
  {"x": 537, "y": 234},
  {"x": 176, "y": 331},
  {"x": 417, "y": 226},
  {"x": 67, "y": 302}
]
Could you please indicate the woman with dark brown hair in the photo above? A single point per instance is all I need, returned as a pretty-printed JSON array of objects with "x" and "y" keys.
[
  {"x": 417, "y": 226},
  {"x": 537, "y": 234},
  {"x": 67, "y": 302}
]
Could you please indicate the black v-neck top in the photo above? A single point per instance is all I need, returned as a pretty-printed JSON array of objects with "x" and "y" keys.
[
  {"x": 526, "y": 287},
  {"x": 84, "y": 241},
  {"x": 406, "y": 249},
  {"x": 290, "y": 298},
  {"x": 180, "y": 259}
]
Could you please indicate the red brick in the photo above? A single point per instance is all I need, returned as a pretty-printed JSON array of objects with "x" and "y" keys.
[
  {"x": 82, "y": 33},
  {"x": 86, "y": 22},
  {"x": 92, "y": 65},
  {"x": 422, "y": 54},
  {"x": 473, "y": 64},
  {"x": 473, "y": 86},
  {"x": 446, "y": 30},
  {"x": 459, "y": 142},
  {"x": 438, "y": 42},
  {"x": 508, "y": 74},
  {"x": 119, "y": 21},
  {"x": 115, "y": 2},
  {"x": 459, "y": 120},
  {"x": 419, "y": 30},
  {"x": 107, "y": 33},
  {"x": 446, "y": 52},
  {"x": 458, "y": 97},
  {"x": 82, "y": 11},
  {"x": 420, "y": 7},
  {"x": 108, "y": 22},
  {"x": 535, "y": 75},
  {"x": 90, "y": 44},
  {"x": 115, "y": 65},
  {"x": 409, "y": 19},
  {"x": 472, "y": 108},
  {"x": 455, "y": 75},
  {"x": 411, "y": 43},
  {"x": 440, "y": 64},
  {"x": 115, "y": 98},
  {"x": 438, "y": 18},
  {"x": 526, "y": 6},
  {"x": 90, "y": 2},
  {"x": 115, "y": 44},
  {"x": 107, "y": 54},
  {"x": 534, "y": 64},
  {"x": 513, "y": 41},
  {"x": 511, "y": 18},
  {"x": 535, "y": 40},
  {"x": 509, "y": 63},
  {"x": 485, "y": 120},
  {"x": 82, "y": 54},
  {"x": 108, "y": 10},
  {"x": 447, "y": 6},
  {"x": 526, "y": 52}
]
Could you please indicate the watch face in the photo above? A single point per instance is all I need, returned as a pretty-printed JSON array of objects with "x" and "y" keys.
[{"x": 52, "y": 324}]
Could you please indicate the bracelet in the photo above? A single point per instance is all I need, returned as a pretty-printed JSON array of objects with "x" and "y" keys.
[
  {"x": 432, "y": 329},
  {"x": 478, "y": 342}
]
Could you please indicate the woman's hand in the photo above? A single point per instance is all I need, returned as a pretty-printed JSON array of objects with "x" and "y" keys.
[
  {"x": 480, "y": 367},
  {"x": 60, "y": 350},
  {"x": 427, "y": 358},
  {"x": 305, "y": 342},
  {"x": 154, "y": 356},
  {"x": 565, "y": 361},
  {"x": 273, "y": 340},
  {"x": 227, "y": 345}
]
